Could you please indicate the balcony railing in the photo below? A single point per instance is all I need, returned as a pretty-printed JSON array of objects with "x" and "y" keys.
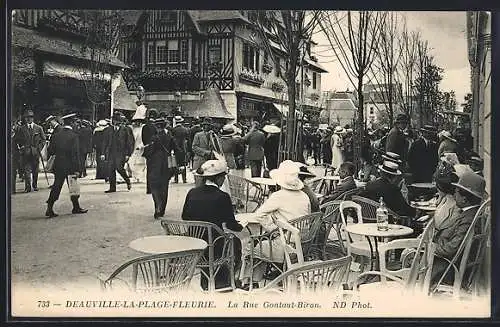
[
  {"x": 251, "y": 78},
  {"x": 155, "y": 81}
]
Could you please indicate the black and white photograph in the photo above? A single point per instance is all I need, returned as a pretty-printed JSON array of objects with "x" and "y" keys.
[{"x": 249, "y": 163}]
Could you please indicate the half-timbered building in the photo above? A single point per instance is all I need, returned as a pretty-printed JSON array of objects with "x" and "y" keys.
[{"x": 188, "y": 51}]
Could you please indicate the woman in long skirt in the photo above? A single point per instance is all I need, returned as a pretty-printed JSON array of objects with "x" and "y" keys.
[
  {"x": 337, "y": 146},
  {"x": 137, "y": 162}
]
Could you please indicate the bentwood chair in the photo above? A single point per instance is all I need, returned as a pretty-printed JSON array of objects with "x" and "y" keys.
[
  {"x": 166, "y": 272},
  {"x": 244, "y": 192},
  {"x": 465, "y": 267},
  {"x": 369, "y": 209},
  {"x": 219, "y": 252},
  {"x": 406, "y": 280}
]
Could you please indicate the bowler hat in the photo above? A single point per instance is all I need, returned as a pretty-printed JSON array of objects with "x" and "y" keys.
[
  {"x": 207, "y": 121},
  {"x": 472, "y": 183}
]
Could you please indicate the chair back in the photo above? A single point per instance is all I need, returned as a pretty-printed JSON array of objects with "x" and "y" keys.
[
  {"x": 313, "y": 277},
  {"x": 220, "y": 247},
  {"x": 330, "y": 220},
  {"x": 369, "y": 208},
  {"x": 159, "y": 272},
  {"x": 470, "y": 254},
  {"x": 308, "y": 227},
  {"x": 238, "y": 189},
  {"x": 342, "y": 209}
]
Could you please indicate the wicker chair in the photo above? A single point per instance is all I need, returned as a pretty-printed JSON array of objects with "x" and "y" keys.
[
  {"x": 312, "y": 277},
  {"x": 369, "y": 209},
  {"x": 243, "y": 191},
  {"x": 466, "y": 263},
  {"x": 166, "y": 272},
  {"x": 214, "y": 236},
  {"x": 410, "y": 280}
]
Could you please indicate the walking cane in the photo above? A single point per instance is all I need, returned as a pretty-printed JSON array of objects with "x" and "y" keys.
[{"x": 43, "y": 166}]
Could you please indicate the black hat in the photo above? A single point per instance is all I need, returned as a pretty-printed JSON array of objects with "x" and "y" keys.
[
  {"x": 401, "y": 118},
  {"x": 429, "y": 129},
  {"x": 207, "y": 121},
  {"x": 116, "y": 114}
]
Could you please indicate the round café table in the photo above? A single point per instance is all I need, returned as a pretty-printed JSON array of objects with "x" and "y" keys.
[
  {"x": 369, "y": 230},
  {"x": 426, "y": 186},
  {"x": 424, "y": 206},
  {"x": 167, "y": 244}
]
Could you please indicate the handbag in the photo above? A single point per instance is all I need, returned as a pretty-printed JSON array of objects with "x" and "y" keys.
[{"x": 49, "y": 167}]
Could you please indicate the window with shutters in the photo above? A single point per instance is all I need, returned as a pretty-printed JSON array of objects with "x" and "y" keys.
[
  {"x": 251, "y": 60},
  {"x": 184, "y": 50}
]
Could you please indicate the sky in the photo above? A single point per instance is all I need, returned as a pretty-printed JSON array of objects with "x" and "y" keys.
[{"x": 446, "y": 36}]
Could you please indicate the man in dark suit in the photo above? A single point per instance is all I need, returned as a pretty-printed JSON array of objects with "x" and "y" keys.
[
  {"x": 346, "y": 172},
  {"x": 85, "y": 140},
  {"x": 386, "y": 187},
  {"x": 208, "y": 203},
  {"x": 64, "y": 145},
  {"x": 181, "y": 138},
  {"x": 255, "y": 139},
  {"x": 119, "y": 145},
  {"x": 396, "y": 141},
  {"x": 423, "y": 156},
  {"x": 202, "y": 147},
  {"x": 31, "y": 139},
  {"x": 450, "y": 234}
]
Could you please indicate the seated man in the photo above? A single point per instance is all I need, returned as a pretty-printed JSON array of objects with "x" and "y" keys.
[
  {"x": 347, "y": 183},
  {"x": 469, "y": 193},
  {"x": 386, "y": 186}
]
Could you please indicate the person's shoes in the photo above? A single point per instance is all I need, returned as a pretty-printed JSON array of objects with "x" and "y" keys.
[
  {"x": 27, "y": 190},
  {"x": 35, "y": 189},
  {"x": 129, "y": 185},
  {"x": 79, "y": 210},
  {"x": 50, "y": 213},
  {"x": 109, "y": 191},
  {"x": 157, "y": 215}
]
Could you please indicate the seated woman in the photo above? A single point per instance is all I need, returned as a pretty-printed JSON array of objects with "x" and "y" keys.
[
  {"x": 282, "y": 206},
  {"x": 208, "y": 203}
]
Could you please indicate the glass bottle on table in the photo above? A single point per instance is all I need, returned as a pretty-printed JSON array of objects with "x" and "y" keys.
[{"x": 382, "y": 216}]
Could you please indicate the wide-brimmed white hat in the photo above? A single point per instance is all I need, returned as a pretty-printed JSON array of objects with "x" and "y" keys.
[
  {"x": 213, "y": 167},
  {"x": 228, "y": 130},
  {"x": 390, "y": 167},
  {"x": 271, "y": 129},
  {"x": 447, "y": 135},
  {"x": 472, "y": 183},
  {"x": 287, "y": 176},
  {"x": 339, "y": 130},
  {"x": 102, "y": 123},
  {"x": 178, "y": 119}
]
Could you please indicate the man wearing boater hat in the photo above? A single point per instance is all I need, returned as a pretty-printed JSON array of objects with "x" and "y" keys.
[
  {"x": 386, "y": 187},
  {"x": 31, "y": 139},
  {"x": 423, "y": 156},
  {"x": 469, "y": 193}
]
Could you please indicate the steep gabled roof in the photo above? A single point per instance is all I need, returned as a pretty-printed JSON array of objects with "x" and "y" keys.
[
  {"x": 215, "y": 15},
  {"x": 130, "y": 17},
  {"x": 341, "y": 104},
  {"x": 212, "y": 105}
]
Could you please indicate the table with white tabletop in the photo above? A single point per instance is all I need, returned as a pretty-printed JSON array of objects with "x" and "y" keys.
[
  {"x": 427, "y": 186},
  {"x": 167, "y": 244},
  {"x": 424, "y": 206},
  {"x": 370, "y": 230},
  {"x": 264, "y": 182}
]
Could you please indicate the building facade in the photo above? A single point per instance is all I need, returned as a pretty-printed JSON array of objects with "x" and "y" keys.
[
  {"x": 54, "y": 70},
  {"x": 188, "y": 51},
  {"x": 479, "y": 51},
  {"x": 376, "y": 103}
]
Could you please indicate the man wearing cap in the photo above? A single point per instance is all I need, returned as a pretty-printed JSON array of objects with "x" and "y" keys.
[
  {"x": 64, "y": 145},
  {"x": 469, "y": 193},
  {"x": 85, "y": 141},
  {"x": 31, "y": 139},
  {"x": 255, "y": 139},
  {"x": 386, "y": 187},
  {"x": 181, "y": 137},
  {"x": 396, "y": 141},
  {"x": 118, "y": 147},
  {"x": 423, "y": 156}
]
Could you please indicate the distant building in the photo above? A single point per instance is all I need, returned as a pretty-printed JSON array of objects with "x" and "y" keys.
[
  {"x": 376, "y": 104},
  {"x": 341, "y": 106}
]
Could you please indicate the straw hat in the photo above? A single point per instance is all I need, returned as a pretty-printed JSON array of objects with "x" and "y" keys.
[
  {"x": 102, "y": 123},
  {"x": 394, "y": 157},
  {"x": 213, "y": 167},
  {"x": 472, "y": 183},
  {"x": 390, "y": 167},
  {"x": 447, "y": 135},
  {"x": 287, "y": 176},
  {"x": 228, "y": 130},
  {"x": 178, "y": 119},
  {"x": 271, "y": 129},
  {"x": 50, "y": 118},
  {"x": 339, "y": 130},
  {"x": 69, "y": 116}
]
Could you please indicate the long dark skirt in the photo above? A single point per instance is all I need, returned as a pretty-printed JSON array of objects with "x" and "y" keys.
[{"x": 102, "y": 168}]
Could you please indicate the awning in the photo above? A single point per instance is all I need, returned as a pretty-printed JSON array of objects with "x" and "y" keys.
[
  {"x": 56, "y": 69},
  {"x": 316, "y": 65},
  {"x": 283, "y": 108},
  {"x": 122, "y": 100}
]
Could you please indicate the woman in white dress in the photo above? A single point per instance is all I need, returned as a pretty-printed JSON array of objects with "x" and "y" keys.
[
  {"x": 337, "y": 144},
  {"x": 137, "y": 162}
]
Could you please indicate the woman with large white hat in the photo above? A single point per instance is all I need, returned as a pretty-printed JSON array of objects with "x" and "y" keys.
[
  {"x": 446, "y": 143},
  {"x": 281, "y": 206},
  {"x": 337, "y": 143}
]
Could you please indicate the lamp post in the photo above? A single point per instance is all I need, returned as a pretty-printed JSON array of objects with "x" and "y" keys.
[{"x": 177, "y": 110}]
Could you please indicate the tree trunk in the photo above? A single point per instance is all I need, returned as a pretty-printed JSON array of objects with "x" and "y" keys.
[
  {"x": 360, "y": 123},
  {"x": 290, "y": 150}
]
